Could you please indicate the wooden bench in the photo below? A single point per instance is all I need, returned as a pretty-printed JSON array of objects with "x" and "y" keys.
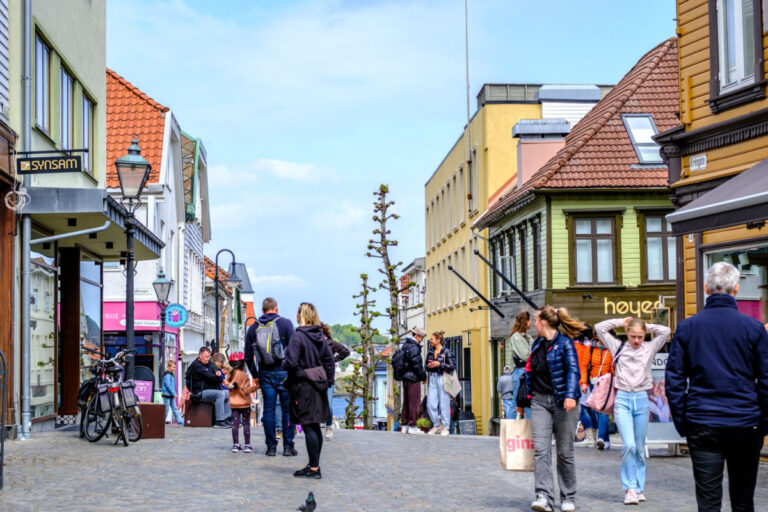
[{"x": 200, "y": 415}]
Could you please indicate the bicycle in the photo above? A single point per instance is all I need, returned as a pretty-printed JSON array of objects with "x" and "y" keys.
[{"x": 110, "y": 402}]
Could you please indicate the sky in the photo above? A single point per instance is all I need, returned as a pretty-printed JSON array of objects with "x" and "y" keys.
[{"x": 305, "y": 107}]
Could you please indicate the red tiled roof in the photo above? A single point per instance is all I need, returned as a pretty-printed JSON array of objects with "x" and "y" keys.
[
  {"x": 598, "y": 152},
  {"x": 131, "y": 113},
  {"x": 210, "y": 271}
]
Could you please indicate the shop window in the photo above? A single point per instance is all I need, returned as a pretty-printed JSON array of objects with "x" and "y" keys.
[
  {"x": 641, "y": 129},
  {"x": 593, "y": 250},
  {"x": 65, "y": 109},
  {"x": 90, "y": 311},
  {"x": 736, "y": 43},
  {"x": 42, "y": 85},
  {"x": 43, "y": 335},
  {"x": 660, "y": 250},
  {"x": 752, "y": 263}
]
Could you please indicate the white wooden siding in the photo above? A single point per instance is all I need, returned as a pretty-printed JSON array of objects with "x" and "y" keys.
[
  {"x": 4, "y": 96},
  {"x": 570, "y": 111}
]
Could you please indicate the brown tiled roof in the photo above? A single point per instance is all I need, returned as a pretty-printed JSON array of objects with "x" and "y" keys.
[
  {"x": 131, "y": 113},
  {"x": 210, "y": 271},
  {"x": 598, "y": 152}
]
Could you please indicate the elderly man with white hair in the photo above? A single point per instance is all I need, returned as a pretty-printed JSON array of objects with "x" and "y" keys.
[{"x": 717, "y": 386}]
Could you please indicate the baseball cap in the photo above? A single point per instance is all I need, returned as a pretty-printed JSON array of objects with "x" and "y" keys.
[{"x": 418, "y": 331}]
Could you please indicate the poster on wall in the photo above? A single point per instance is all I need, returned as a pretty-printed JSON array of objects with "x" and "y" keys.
[{"x": 661, "y": 430}]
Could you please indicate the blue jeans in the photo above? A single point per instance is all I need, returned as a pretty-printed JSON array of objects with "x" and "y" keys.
[
  {"x": 330, "y": 404},
  {"x": 510, "y": 407},
  {"x": 170, "y": 403},
  {"x": 438, "y": 402},
  {"x": 271, "y": 388},
  {"x": 631, "y": 413},
  {"x": 518, "y": 374}
]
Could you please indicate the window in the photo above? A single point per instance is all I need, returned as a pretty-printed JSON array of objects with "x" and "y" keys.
[
  {"x": 473, "y": 202},
  {"x": 87, "y": 135},
  {"x": 463, "y": 270},
  {"x": 455, "y": 204},
  {"x": 42, "y": 85},
  {"x": 752, "y": 262},
  {"x": 449, "y": 208},
  {"x": 536, "y": 233},
  {"x": 495, "y": 260},
  {"x": 462, "y": 195},
  {"x": 594, "y": 243},
  {"x": 641, "y": 128},
  {"x": 523, "y": 238},
  {"x": 736, "y": 49},
  {"x": 660, "y": 250},
  {"x": 65, "y": 110},
  {"x": 511, "y": 268}
]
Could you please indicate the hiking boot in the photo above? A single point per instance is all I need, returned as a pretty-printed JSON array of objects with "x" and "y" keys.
[
  {"x": 329, "y": 432},
  {"x": 248, "y": 449},
  {"x": 434, "y": 430},
  {"x": 567, "y": 506},
  {"x": 289, "y": 451},
  {"x": 279, "y": 434},
  {"x": 236, "y": 448},
  {"x": 541, "y": 504},
  {"x": 271, "y": 451},
  {"x": 631, "y": 498}
]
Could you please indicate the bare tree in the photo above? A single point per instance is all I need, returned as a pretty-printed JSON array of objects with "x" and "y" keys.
[{"x": 362, "y": 382}]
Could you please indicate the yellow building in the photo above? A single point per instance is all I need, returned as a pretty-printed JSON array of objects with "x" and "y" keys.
[{"x": 481, "y": 162}]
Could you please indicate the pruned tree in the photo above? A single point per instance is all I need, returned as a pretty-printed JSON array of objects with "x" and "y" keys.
[
  {"x": 363, "y": 375},
  {"x": 378, "y": 247}
]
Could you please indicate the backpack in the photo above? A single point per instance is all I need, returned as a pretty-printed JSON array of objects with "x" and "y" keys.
[
  {"x": 398, "y": 365},
  {"x": 268, "y": 349}
]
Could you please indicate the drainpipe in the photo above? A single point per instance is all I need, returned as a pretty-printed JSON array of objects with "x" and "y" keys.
[{"x": 26, "y": 225}]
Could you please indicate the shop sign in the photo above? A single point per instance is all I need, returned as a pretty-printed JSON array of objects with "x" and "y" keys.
[
  {"x": 698, "y": 162},
  {"x": 144, "y": 390},
  {"x": 175, "y": 315},
  {"x": 49, "y": 164},
  {"x": 634, "y": 308}
]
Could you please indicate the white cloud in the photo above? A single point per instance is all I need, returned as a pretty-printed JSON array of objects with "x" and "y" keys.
[
  {"x": 339, "y": 215},
  {"x": 294, "y": 171},
  {"x": 262, "y": 283}
]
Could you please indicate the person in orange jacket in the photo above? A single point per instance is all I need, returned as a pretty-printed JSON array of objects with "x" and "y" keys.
[
  {"x": 240, "y": 390},
  {"x": 594, "y": 360}
]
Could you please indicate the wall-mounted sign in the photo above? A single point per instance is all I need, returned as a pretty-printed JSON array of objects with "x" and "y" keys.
[
  {"x": 48, "y": 164},
  {"x": 698, "y": 162},
  {"x": 175, "y": 315}
]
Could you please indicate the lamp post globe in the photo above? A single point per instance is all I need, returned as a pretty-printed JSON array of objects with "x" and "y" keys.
[
  {"x": 162, "y": 286},
  {"x": 132, "y": 172}
]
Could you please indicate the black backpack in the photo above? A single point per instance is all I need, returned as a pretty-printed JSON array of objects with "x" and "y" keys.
[{"x": 398, "y": 365}]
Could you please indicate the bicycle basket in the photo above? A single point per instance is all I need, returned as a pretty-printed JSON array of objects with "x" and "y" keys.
[
  {"x": 128, "y": 390},
  {"x": 105, "y": 404},
  {"x": 87, "y": 389}
]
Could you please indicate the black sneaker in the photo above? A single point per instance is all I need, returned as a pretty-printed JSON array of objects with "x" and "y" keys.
[
  {"x": 289, "y": 451},
  {"x": 271, "y": 451},
  {"x": 308, "y": 473},
  {"x": 303, "y": 472},
  {"x": 221, "y": 424}
]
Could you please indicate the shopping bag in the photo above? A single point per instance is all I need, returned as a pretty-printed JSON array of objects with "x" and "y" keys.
[
  {"x": 451, "y": 383},
  {"x": 603, "y": 395},
  {"x": 516, "y": 445}
]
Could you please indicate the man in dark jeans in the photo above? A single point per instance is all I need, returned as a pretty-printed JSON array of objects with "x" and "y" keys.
[
  {"x": 413, "y": 376},
  {"x": 271, "y": 378},
  {"x": 717, "y": 386}
]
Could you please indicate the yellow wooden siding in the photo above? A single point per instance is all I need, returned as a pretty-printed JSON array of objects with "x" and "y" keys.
[
  {"x": 727, "y": 160},
  {"x": 689, "y": 265},
  {"x": 685, "y": 6},
  {"x": 697, "y": 10},
  {"x": 731, "y": 234}
]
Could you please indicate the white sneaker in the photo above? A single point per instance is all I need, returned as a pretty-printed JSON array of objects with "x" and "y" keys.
[
  {"x": 541, "y": 504},
  {"x": 631, "y": 498},
  {"x": 415, "y": 431},
  {"x": 404, "y": 429},
  {"x": 600, "y": 444},
  {"x": 589, "y": 439},
  {"x": 434, "y": 430},
  {"x": 640, "y": 496},
  {"x": 329, "y": 432},
  {"x": 445, "y": 432},
  {"x": 567, "y": 506}
]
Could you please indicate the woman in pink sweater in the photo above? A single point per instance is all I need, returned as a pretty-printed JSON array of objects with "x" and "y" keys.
[{"x": 632, "y": 380}]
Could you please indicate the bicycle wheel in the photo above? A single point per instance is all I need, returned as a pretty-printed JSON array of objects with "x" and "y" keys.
[
  {"x": 133, "y": 424},
  {"x": 118, "y": 418},
  {"x": 96, "y": 422}
]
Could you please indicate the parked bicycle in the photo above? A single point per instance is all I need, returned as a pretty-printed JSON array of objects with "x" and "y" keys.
[{"x": 107, "y": 402}]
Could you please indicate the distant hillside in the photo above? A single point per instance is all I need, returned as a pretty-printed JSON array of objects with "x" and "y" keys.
[{"x": 345, "y": 335}]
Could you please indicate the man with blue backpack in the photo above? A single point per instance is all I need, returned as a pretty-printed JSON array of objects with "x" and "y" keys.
[{"x": 265, "y": 344}]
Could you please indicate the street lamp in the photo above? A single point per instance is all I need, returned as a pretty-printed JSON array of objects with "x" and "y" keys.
[
  {"x": 132, "y": 173},
  {"x": 232, "y": 280},
  {"x": 162, "y": 286}
]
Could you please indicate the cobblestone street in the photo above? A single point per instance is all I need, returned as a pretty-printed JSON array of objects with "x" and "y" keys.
[{"x": 193, "y": 469}]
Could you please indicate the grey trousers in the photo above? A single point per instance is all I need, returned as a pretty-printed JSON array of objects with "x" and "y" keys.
[
  {"x": 547, "y": 417},
  {"x": 220, "y": 400}
]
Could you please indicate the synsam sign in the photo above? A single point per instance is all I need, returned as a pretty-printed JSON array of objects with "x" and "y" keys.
[{"x": 48, "y": 164}]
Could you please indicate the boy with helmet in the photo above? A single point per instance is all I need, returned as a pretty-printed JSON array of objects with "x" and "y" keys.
[{"x": 240, "y": 389}]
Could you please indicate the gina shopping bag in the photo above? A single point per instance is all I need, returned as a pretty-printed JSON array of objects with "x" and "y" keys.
[{"x": 516, "y": 445}]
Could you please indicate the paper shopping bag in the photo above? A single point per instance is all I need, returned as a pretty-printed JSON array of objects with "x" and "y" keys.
[{"x": 516, "y": 445}]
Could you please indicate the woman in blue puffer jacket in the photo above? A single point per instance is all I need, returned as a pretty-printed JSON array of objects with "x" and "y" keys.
[{"x": 552, "y": 378}]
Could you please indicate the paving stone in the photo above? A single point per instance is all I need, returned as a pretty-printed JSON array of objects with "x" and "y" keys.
[{"x": 193, "y": 469}]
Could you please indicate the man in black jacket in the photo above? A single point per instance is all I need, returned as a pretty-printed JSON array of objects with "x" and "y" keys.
[
  {"x": 204, "y": 380},
  {"x": 413, "y": 376}
]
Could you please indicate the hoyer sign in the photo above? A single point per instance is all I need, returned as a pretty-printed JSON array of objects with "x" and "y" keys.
[{"x": 636, "y": 308}]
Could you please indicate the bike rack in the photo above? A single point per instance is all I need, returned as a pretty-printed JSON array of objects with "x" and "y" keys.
[{"x": 3, "y": 385}]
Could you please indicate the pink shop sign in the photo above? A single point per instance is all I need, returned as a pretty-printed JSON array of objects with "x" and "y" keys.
[{"x": 144, "y": 390}]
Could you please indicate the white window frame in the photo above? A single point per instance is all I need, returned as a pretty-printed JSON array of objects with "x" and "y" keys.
[
  {"x": 739, "y": 69},
  {"x": 42, "y": 85},
  {"x": 87, "y": 134},
  {"x": 66, "y": 114},
  {"x": 637, "y": 145}
]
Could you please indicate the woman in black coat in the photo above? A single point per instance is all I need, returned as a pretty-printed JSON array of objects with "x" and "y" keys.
[{"x": 310, "y": 367}]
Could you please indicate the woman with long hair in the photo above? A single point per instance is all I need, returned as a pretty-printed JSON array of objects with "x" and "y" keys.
[
  {"x": 520, "y": 346},
  {"x": 552, "y": 379},
  {"x": 440, "y": 360},
  {"x": 310, "y": 367},
  {"x": 631, "y": 409}
]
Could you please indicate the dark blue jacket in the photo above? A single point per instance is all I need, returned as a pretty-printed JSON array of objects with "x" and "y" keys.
[
  {"x": 563, "y": 366},
  {"x": 284, "y": 327},
  {"x": 717, "y": 372}
]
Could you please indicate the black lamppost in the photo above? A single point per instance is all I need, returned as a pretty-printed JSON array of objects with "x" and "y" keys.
[
  {"x": 162, "y": 286},
  {"x": 232, "y": 280},
  {"x": 132, "y": 173}
]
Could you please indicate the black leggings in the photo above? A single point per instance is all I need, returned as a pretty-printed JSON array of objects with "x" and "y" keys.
[
  {"x": 243, "y": 415},
  {"x": 314, "y": 438}
]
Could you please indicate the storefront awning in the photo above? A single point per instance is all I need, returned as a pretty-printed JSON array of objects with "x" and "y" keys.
[
  {"x": 740, "y": 200},
  {"x": 65, "y": 210}
]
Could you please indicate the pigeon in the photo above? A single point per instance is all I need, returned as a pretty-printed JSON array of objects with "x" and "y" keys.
[{"x": 309, "y": 505}]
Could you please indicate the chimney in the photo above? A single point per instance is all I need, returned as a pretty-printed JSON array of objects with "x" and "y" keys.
[{"x": 538, "y": 141}]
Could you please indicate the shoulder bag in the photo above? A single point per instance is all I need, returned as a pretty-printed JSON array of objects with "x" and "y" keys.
[{"x": 604, "y": 393}]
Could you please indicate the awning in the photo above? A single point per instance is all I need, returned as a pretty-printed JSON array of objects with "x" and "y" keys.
[
  {"x": 65, "y": 210},
  {"x": 742, "y": 199}
]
